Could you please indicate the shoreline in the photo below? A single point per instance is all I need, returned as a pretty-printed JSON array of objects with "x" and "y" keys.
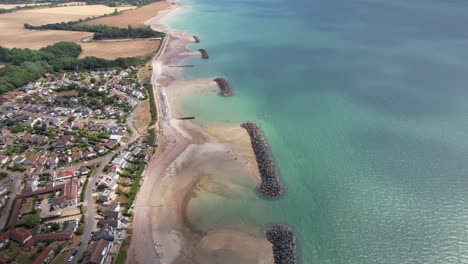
[{"x": 185, "y": 155}]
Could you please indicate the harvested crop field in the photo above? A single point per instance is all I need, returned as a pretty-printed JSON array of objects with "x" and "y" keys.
[
  {"x": 117, "y": 49},
  {"x": 86, "y": 10},
  {"x": 135, "y": 17},
  {"x": 8, "y": 6},
  {"x": 14, "y": 35}
]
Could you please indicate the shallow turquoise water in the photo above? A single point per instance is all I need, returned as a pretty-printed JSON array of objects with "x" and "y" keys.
[{"x": 364, "y": 105}]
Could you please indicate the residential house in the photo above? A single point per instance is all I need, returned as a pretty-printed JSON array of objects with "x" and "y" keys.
[
  {"x": 107, "y": 232},
  {"x": 116, "y": 138},
  {"x": 110, "y": 144},
  {"x": 31, "y": 160},
  {"x": 46, "y": 255},
  {"x": 111, "y": 214},
  {"x": 84, "y": 170},
  {"x": 99, "y": 149},
  {"x": 77, "y": 155},
  {"x": 120, "y": 162},
  {"x": 30, "y": 185},
  {"x": 99, "y": 252},
  {"x": 110, "y": 181},
  {"x": 52, "y": 162},
  {"x": 5, "y": 238},
  {"x": 107, "y": 196},
  {"x": 20, "y": 236},
  {"x": 64, "y": 174},
  {"x": 14, "y": 213},
  {"x": 61, "y": 236}
]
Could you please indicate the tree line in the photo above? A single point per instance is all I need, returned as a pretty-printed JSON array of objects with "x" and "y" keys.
[
  {"x": 102, "y": 31},
  {"x": 25, "y": 65}
]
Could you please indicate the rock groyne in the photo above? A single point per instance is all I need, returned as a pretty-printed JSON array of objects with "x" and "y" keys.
[
  {"x": 204, "y": 54},
  {"x": 270, "y": 185},
  {"x": 197, "y": 40},
  {"x": 224, "y": 87},
  {"x": 284, "y": 243}
]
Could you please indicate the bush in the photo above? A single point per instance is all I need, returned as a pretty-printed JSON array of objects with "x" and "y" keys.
[
  {"x": 83, "y": 190},
  {"x": 32, "y": 220},
  {"x": 79, "y": 231},
  {"x": 153, "y": 110}
]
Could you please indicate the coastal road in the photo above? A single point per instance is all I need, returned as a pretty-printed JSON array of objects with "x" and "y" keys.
[{"x": 88, "y": 203}]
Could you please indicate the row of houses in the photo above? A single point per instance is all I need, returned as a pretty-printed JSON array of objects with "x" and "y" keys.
[{"x": 27, "y": 240}]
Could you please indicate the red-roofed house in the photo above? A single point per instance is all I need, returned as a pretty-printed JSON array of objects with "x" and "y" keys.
[
  {"x": 5, "y": 238},
  {"x": 65, "y": 174},
  {"x": 52, "y": 237},
  {"x": 110, "y": 144},
  {"x": 45, "y": 256},
  {"x": 20, "y": 235},
  {"x": 14, "y": 213}
]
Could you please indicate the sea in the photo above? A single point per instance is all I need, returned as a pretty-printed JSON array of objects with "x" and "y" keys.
[{"x": 364, "y": 104}]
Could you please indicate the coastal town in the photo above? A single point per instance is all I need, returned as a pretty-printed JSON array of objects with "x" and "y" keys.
[{"x": 71, "y": 164}]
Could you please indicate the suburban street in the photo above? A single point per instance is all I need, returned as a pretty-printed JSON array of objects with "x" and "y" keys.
[{"x": 90, "y": 207}]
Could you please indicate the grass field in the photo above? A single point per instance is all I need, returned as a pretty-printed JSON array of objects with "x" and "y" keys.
[
  {"x": 122, "y": 255},
  {"x": 68, "y": 93},
  {"x": 142, "y": 117},
  {"x": 14, "y": 35},
  {"x": 116, "y": 49},
  {"x": 135, "y": 17}
]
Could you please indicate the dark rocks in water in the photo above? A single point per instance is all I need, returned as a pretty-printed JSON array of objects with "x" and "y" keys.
[
  {"x": 204, "y": 54},
  {"x": 284, "y": 243},
  {"x": 197, "y": 40},
  {"x": 270, "y": 185},
  {"x": 224, "y": 87}
]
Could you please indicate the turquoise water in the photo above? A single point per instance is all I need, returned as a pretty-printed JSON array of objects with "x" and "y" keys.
[{"x": 365, "y": 106}]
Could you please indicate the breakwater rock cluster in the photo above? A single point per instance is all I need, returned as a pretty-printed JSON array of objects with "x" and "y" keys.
[
  {"x": 284, "y": 244},
  {"x": 270, "y": 185},
  {"x": 204, "y": 54},
  {"x": 224, "y": 87},
  {"x": 197, "y": 40}
]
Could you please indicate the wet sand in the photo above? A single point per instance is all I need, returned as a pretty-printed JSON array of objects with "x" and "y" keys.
[{"x": 189, "y": 158}]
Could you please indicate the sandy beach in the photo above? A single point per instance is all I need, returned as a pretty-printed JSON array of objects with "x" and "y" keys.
[{"x": 189, "y": 158}]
